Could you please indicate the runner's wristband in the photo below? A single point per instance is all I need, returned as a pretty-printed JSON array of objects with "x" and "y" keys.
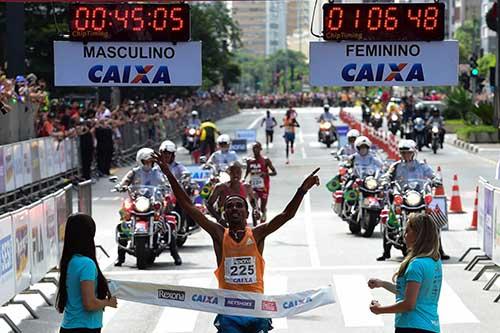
[{"x": 301, "y": 191}]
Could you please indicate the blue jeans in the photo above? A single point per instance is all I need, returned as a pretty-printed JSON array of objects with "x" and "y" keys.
[{"x": 239, "y": 324}]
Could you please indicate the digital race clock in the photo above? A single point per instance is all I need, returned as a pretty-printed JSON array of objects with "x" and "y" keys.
[
  {"x": 129, "y": 22},
  {"x": 383, "y": 22}
]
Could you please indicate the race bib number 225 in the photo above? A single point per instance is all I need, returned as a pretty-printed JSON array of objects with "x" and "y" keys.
[{"x": 240, "y": 270}]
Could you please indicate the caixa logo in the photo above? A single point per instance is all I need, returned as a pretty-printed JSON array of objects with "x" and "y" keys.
[
  {"x": 378, "y": 72},
  {"x": 129, "y": 74}
]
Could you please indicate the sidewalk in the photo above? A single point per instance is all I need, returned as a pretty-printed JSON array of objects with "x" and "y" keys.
[{"x": 489, "y": 151}]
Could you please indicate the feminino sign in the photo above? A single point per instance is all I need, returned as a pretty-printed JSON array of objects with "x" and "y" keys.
[
  {"x": 127, "y": 64},
  {"x": 384, "y": 63}
]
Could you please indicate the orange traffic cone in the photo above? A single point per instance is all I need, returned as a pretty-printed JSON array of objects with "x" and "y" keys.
[
  {"x": 439, "y": 189},
  {"x": 473, "y": 224},
  {"x": 456, "y": 201}
]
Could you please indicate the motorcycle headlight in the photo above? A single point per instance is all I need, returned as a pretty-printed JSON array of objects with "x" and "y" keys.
[
  {"x": 377, "y": 116},
  {"x": 142, "y": 204},
  {"x": 326, "y": 125},
  {"x": 394, "y": 117},
  {"x": 435, "y": 130},
  {"x": 192, "y": 131},
  {"x": 371, "y": 183},
  {"x": 413, "y": 198}
]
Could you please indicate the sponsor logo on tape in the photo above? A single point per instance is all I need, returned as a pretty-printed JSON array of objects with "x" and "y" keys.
[
  {"x": 173, "y": 295},
  {"x": 296, "y": 302},
  {"x": 239, "y": 303},
  {"x": 269, "y": 306},
  {"x": 199, "y": 298}
]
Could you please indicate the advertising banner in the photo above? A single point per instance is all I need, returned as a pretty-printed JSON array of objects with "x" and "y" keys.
[
  {"x": 7, "y": 276},
  {"x": 28, "y": 165},
  {"x": 52, "y": 242},
  {"x": 480, "y": 213},
  {"x": 222, "y": 301},
  {"x": 488, "y": 220},
  {"x": 62, "y": 214},
  {"x": 248, "y": 134},
  {"x": 22, "y": 248},
  {"x": 8, "y": 165},
  {"x": 384, "y": 63},
  {"x": 239, "y": 145},
  {"x": 135, "y": 64},
  {"x": 35, "y": 161},
  {"x": 68, "y": 151},
  {"x": 438, "y": 212},
  {"x": 496, "y": 218},
  {"x": 42, "y": 159},
  {"x": 49, "y": 156},
  {"x": 2, "y": 172},
  {"x": 17, "y": 150},
  {"x": 38, "y": 238}
]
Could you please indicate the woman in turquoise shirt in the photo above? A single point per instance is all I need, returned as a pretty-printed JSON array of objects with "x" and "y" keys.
[
  {"x": 418, "y": 280},
  {"x": 83, "y": 291}
]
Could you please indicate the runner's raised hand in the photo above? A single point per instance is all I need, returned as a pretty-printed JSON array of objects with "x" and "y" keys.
[{"x": 310, "y": 181}]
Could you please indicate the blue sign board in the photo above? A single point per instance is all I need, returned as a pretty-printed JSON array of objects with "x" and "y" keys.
[
  {"x": 342, "y": 134},
  {"x": 248, "y": 134},
  {"x": 239, "y": 145}
]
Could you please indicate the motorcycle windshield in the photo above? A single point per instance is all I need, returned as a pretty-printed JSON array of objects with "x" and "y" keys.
[
  {"x": 413, "y": 184},
  {"x": 365, "y": 171},
  {"x": 147, "y": 191}
]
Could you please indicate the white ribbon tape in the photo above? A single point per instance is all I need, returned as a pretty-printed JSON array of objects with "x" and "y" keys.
[{"x": 222, "y": 301}]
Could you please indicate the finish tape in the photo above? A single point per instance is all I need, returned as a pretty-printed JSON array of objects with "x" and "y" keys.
[{"x": 222, "y": 301}]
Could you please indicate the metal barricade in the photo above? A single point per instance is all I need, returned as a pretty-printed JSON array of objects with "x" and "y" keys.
[{"x": 85, "y": 197}]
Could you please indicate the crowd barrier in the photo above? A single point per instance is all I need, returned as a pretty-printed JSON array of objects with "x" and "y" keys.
[
  {"x": 31, "y": 241},
  {"x": 488, "y": 232}
]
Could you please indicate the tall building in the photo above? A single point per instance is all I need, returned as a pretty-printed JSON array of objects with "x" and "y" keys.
[
  {"x": 298, "y": 25},
  {"x": 488, "y": 37},
  {"x": 466, "y": 10},
  {"x": 262, "y": 24}
]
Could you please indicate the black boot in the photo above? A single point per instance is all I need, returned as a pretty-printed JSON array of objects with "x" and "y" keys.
[
  {"x": 121, "y": 257},
  {"x": 174, "y": 252},
  {"x": 444, "y": 256},
  {"x": 387, "y": 251}
]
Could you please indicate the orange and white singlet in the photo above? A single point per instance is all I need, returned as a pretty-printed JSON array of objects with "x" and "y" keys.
[{"x": 242, "y": 265}]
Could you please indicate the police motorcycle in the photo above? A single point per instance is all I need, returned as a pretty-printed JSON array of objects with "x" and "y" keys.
[
  {"x": 419, "y": 132},
  {"x": 407, "y": 130},
  {"x": 187, "y": 226},
  {"x": 435, "y": 137},
  {"x": 192, "y": 134},
  {"x": 327, "y": 133},
  {"x": 364, "y": 198},
  {"x": 366, "y": 113},
  {"x": 376, "y": 120},
  {"x": 411, "y": 196},
  {"x": 394, "y": 123},
  {"x": 147, "y": 218}
]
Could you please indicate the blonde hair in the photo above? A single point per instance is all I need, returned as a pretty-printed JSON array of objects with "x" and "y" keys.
[{"x": 426, "y": 241}]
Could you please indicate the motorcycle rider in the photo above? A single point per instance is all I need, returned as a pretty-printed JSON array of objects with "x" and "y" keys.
[
  {"x": 436, "y": 118},
  {"x": 148, "y": 175},
  {"x": 363, "y": 157},
  {"x": 328, "y": 117},
  {"x": 193, "y": 122},
  {"x": 403, "y": 170},
  {"x": 349, "y": 148},
  {"x": 223, "y": 157},
  {"x": 238, "y": 240},
  {"x": 258, "y": 168},
  {"x": 170, "y": 148},
  {"x": 377, "y": 106},
  {"x": 208, "y": 133}
]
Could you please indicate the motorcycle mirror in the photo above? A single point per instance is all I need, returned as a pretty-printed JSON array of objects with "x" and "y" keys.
[
  {"x": 203, "y": 159},
  {"x": 113, "y": 179}
]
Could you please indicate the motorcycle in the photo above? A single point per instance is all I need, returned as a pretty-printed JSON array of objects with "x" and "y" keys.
[
  {"x": 407, "y": 132},
  {"x": 394, "y": 123},
  {"x": 435, "y": 137},
  {"x": 412, "y": 196},
  {"x": 192, "y": 142},
  {"x": 376, "y": 120},
  {"x": 327, "y": 133},
  {"x": 419, "y": 132},
  {"x": 187, "y": 226},
  {"x": 147, "y": 218}
]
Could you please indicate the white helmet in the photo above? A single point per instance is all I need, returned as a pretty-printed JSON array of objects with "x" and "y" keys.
[
  {"x": 194, "y": 113},
  {"x": 407, "y": 145},
  {"x": 326, "y": 106},
  {"x": 354, "y": 133},
  {"x": 362, "y": 140},
  {"x": 169, "y": 146},
  {"x": 144, "y": 154},
  {"x": 223, "y": 138}
]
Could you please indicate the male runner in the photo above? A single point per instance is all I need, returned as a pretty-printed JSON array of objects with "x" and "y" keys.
[
  {"x": 238, "y": 242},
  {"x": 258, "y": 168},
  {"x": 271, "y": 123}
]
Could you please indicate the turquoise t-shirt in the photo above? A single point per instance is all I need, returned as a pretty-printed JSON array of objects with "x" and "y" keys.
[
  {"x": 80, "y": 269},
  {"x": 429, "y": 273}
]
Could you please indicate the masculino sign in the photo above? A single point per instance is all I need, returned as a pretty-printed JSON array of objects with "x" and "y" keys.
[
  {"x": 384, "y": 63},
  {"x": 127, "y": 64}
]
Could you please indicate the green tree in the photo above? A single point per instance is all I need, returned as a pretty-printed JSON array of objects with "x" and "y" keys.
[
  {"x": 485, "y": 62},
  {"x": 468, "y": 36}
]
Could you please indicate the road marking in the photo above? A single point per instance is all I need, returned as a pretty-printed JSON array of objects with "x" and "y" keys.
[
  {"x": 301, "y": 136},
  {"x": 311, "y": 240},
  {"x": 174, "y": 320},
  {"x": 96, "y": 198},
  {"x": 252, "y": 125},
  {"x": 304, "y": 155},
  {"x": 277, "y": 285},
  {"x": 451, "y": 309},
  {"x": 354, "y": 297}
]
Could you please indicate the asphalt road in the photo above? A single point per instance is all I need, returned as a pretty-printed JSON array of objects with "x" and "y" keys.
[{"x": 314, "y": 249}]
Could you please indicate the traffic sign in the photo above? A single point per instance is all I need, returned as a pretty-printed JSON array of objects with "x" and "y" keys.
[
  {"x": 135, "y": 64},
  {"x": 384, "y": 63}
]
